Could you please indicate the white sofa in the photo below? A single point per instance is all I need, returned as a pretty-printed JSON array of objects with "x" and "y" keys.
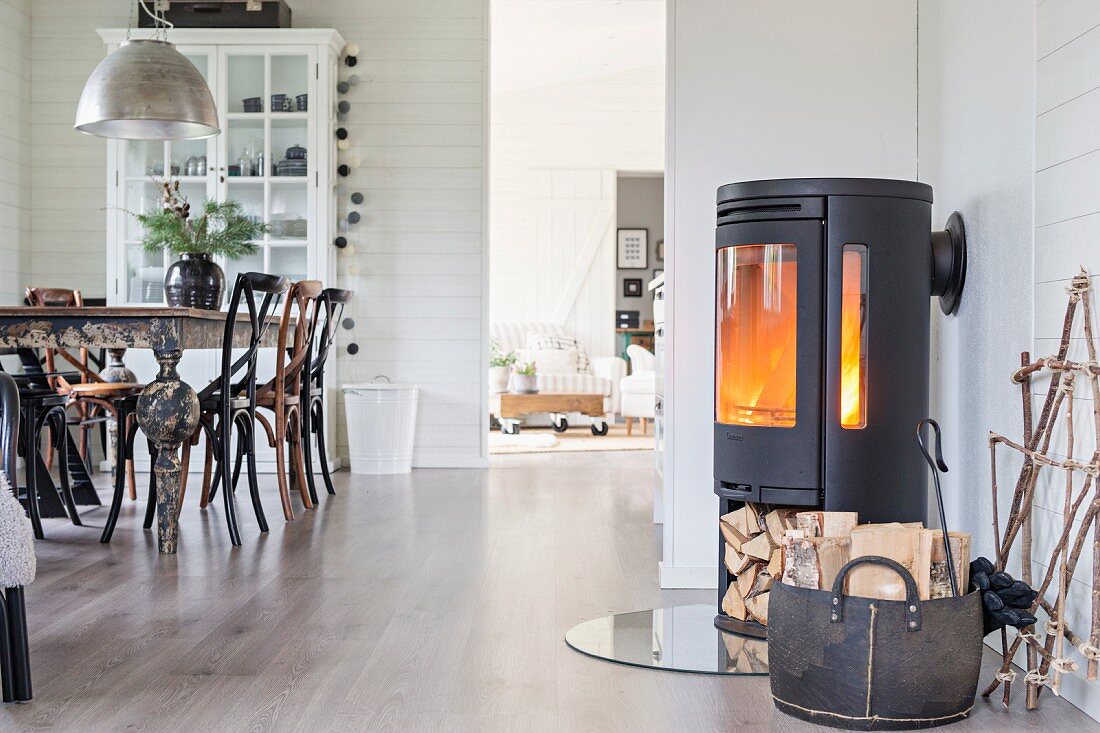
[
  {"x": 607, "y": 371},
  {"x": 639, "y": 390}
]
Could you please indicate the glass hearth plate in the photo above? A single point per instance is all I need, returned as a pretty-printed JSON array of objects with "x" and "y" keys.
[{"x": 679, "y": 639}]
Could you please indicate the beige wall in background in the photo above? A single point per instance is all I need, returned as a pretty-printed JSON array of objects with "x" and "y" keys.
[
  {"x": 417, "y": 122},
  {"x": 640, "y": 204},
  {"x": 15, "y": 147}
]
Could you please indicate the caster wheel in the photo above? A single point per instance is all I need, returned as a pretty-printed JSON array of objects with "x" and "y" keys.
[
  {"x": 599, "y": 430},
  {"x": 560, "y": 426},
  {"x": 508, "y": 429}
]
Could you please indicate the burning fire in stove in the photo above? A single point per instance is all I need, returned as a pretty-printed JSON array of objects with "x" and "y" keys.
[
  {"x": 853, "y": 342},
  {"x": 757, "y": 335}
]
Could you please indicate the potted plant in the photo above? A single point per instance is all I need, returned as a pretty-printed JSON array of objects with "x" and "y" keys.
[
  {"x": 195, "y": 280},
  {"x": 500, "y": 367},
  {"x": 525, "y": 378}
]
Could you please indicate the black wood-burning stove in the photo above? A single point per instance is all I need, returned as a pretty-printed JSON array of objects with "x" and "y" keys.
[{"x": 822, "y": 344}]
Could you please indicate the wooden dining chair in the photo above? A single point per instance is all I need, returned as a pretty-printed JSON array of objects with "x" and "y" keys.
[
  {"x": 282, "y": 395},
  {"x": 93, "y": 400},
  {"x": 330, "y": 309}
]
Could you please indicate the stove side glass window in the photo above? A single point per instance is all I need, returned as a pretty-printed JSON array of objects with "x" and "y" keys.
[
  {"x": 853, "y": 337},
  {"x": 755, "y": 360}
]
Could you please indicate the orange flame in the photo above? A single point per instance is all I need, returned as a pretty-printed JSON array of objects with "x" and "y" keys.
[
  {"x": 757, "y": 335},
  {"x": 852, "y": 409}
]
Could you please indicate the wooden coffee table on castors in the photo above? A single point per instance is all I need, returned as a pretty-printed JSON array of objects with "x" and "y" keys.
[{"x": 509, "y": 408}]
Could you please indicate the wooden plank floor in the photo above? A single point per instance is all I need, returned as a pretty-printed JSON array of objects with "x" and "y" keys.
[{"x": 431, "y": 602}]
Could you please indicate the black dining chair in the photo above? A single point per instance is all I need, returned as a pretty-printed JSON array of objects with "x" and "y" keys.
[
  {"x": 230, "y": 400},
  {"x": 330, "y": 307},
  {"x": 40, "y": 408},
  {"x": 15, "y": 658}
]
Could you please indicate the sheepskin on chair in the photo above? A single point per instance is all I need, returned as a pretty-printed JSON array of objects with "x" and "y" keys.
[{"x": 17, "y": 564}]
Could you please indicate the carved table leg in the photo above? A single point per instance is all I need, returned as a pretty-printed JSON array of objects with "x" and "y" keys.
[
  {"x": 116, "y": 371},
  {"x": 168, "y": 413}
]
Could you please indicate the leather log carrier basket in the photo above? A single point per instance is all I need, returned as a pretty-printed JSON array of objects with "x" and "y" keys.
[{"x": 871, "y": 664}]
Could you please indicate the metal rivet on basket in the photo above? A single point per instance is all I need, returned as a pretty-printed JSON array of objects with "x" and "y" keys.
[
  {"x": 912, "y": 624},
  {"x": 834, "y": 617},
  {"x": 912, "y": 609},
  {"x": 836, "y": 601}
]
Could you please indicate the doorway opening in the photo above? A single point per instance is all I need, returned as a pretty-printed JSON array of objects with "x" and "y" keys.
[{"x": 576, "y": 131}]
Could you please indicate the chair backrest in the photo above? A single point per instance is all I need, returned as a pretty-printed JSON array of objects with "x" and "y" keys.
[
  {"x": 641, "y": 359},
  {"x": 330, "y": 310},
  {"x": 512, "y": 335},
  {"x": 240, "y": 373},
  {"x": 61, "y": 298},
  {"x": 9, "y": 425},
  {"x": 292, "y": 357}
]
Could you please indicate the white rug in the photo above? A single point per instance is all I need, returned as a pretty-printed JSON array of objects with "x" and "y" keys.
[
  {"x": 579, "y": 438},
  {"x": 523, "y": 440}
]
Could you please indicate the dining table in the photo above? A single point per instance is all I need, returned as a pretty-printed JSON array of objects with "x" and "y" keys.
[{"x": 168, "y": 407}]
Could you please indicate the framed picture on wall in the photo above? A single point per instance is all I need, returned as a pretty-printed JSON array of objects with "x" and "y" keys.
[
  {"x": 633, "y": 249},
  {"x": 632, "y": 287}
]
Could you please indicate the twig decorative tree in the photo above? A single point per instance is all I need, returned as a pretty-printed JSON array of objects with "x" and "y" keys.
[{"x": 1047, "y": 655}]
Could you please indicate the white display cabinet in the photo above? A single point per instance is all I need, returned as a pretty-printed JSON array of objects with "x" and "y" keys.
[{"x": 256, "y": 160}]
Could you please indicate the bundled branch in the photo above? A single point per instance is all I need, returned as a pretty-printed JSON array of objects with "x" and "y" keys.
[{"x": 1047, "y": 653}]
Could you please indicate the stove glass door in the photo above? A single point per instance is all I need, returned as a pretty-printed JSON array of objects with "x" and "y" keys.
[{"x": 757, "y": 335}]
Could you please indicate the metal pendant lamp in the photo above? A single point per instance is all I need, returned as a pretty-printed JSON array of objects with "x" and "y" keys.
[{"x": 147, "y": 90}]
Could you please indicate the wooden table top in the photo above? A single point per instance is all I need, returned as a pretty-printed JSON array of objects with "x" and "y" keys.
[
  {"x": 130, "y": 327},
  {"x": 113, "y": 311}
]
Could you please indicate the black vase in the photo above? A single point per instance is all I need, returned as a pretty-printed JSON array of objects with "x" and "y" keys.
[{"x": 195, "y": 281}]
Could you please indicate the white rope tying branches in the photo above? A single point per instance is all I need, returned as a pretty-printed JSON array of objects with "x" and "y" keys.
[
  {"x": 1035, "y": 677},
  {"x": 1088, "y": 651}
]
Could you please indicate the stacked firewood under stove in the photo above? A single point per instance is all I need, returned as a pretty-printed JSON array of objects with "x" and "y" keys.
[{"x": 807, "y": 548}]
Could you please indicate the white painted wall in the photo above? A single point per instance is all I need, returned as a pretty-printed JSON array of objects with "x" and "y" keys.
[
  {"x": 417, "y": 122},
  {"x": 577, "y": 94},
  {"x": 760, "y": 90},
  {"x": 15, "y": 149}
]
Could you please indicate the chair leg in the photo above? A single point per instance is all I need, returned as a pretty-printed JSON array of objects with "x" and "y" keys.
[
  {"x": 645, "y": 425},
  {"x": 307, "y": 451},
  {"x": 58, "y": 433},
  {"x": 151, "y": 504},
  {"x": 32, "y": 458},
  {"x": 185, "y": 462},
  {"x": 7, "y": 678},
  {"x": 238, "y": 459},
  {"x": 294, "y": 445},
  {"x": 322, "y": 451},
  {"x": 207, "y": 467},
  {"x": 629, "y": 426},
  {"x": 20, "y": 643},
  {"x": 248, "y": 432},
  {"x": 131, "y": 476},
  {"x": 225, "y": 444},
  {"x": 280, "y": 468},
  {"x": 124, "y": 454}
]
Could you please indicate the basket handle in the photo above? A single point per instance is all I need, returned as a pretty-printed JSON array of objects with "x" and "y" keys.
[{"x": 912, "y": 597}]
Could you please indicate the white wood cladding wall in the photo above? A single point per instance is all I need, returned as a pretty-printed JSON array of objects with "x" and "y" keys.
[
  {"x": 418, "y": 124},
  {"x": 1067, "y": 236},
  {"x": 15, "y": 149}
]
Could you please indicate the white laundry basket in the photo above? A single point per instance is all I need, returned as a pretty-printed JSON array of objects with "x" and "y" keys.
[{"x": 381, "y": 419}]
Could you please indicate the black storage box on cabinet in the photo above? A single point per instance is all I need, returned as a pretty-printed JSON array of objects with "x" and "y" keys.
[
  {"x": 870, "y": 664},
  {"x": 223, "y": 14}
]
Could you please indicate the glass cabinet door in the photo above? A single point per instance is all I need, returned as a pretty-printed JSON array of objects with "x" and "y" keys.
[
  {"x": 265, "y": 147},
  {"x": 145, "y": 166}
]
